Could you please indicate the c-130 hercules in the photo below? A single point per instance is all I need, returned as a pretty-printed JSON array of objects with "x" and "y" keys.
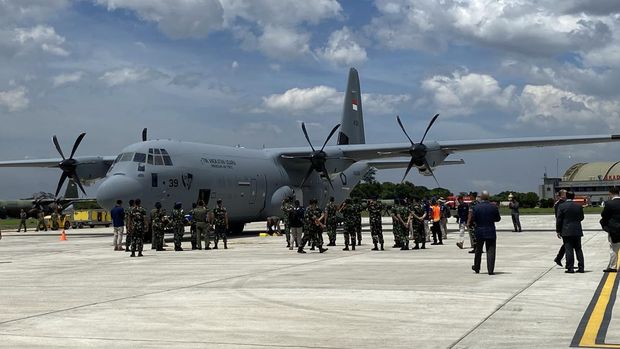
[{"x": 253, "y": 182}]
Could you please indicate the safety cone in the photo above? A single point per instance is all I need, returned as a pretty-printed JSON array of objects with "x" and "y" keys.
[{"x": 63, "y": 236}]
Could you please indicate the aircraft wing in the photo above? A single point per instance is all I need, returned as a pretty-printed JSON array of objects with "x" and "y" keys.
[
  {"x": 359, "y": 152},
  {"x": 88, "y": 167},
  {"x": 31, "y": 163}
]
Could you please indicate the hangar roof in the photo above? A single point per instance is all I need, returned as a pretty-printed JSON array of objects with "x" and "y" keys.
[{"x": 593, "y": 171}]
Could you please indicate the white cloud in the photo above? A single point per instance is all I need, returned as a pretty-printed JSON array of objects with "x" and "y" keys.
[
  {"x": 176, "y": 19},
  {"x": 342, "y": 49},
  {"x": 63, "y": 79},
  {"x": 461, "y": 94},
  {"x": 283, "y": 43},
  {"x": 281, "y": 12},
  {"x": 130, "y": 75},
  {"x": 16, "y": 11},
  {"x": 260, "y": 129},
  {"x": 323, "y": 99},
  {"x": 235, "y": 65},
  {"x": 546, "y": 105},
  {"x": 41, "y": 37},
  {"x": 14, "y": 100},
  {"x": 525, "y": 26}
]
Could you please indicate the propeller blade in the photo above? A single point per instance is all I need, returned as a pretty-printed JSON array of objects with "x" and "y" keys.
[
  {"x": 58, "y": 146},
  {"x": 429, "y": 126},
  {"x": 403, "y": 128},
  {"x": 144, "y": 134},
  {"x": 307, "y": 176},
  {"x": 330, "y": 136},
  {"x": 408, "y": 169},
  {"x": 76, "y": 179},
  {"x": 63, "y": 177},
  {"x": 303, "y": 128},
  {"x": 431, "y": 171},
  {"x": 77, "y": 144},
  {"x": 326, "y": 174}
]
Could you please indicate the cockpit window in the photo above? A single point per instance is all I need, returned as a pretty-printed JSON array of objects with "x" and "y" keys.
[
  {"x": 126, "y": 157},
  {"x": 158, "y": 160},
  {"x": 149, "y": 159},
  {"x": 118, "y": 158},
  {"x": 167, "y": 160},
  {"x": 139, "y": 157}
]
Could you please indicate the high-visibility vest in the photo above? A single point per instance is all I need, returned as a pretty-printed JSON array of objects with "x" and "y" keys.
[{"x": 436, "y": 213}]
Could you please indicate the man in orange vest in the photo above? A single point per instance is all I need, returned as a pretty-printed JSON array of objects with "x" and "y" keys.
[{"x": 436, "y": 217}]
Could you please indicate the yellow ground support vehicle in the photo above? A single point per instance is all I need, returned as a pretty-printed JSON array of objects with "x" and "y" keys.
[{"x": 83, "y": 213}]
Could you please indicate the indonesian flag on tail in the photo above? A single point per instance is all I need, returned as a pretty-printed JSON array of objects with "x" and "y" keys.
[{"x": 354, "y": 103}]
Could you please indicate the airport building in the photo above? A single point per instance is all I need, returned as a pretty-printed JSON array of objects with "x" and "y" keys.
[{"x": 591, "y": 180}]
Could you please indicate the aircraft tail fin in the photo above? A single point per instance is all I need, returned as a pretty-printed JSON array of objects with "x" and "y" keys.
[{"x": 352, "y": 124}]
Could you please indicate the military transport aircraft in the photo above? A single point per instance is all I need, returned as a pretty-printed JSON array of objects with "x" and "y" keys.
[{"x": 253, "y": 182}]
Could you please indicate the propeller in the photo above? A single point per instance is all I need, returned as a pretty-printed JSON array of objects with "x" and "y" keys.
[
  {"x": 68, "y": 165},
  {"x": 418, "y": 151},
  {"x": 317, "y": 158}
]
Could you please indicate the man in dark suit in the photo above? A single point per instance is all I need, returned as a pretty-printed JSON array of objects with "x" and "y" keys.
[
  {"x": 610, "y": 221},
  {"x": 568, "y": 226},
  {"x": 561, "y": 199},
  {"x": 484, "y": 215}
]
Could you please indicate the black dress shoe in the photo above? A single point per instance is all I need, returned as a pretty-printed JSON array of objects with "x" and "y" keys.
[
  {"x": 570, "y": 271},
  {"x": 610, "y": 270},
  {"x": 581, "y": 271},
  {"x": 558, "y": 261},
  {"x": 474, "y": 269},
  {"x": 472, "y": 251}
]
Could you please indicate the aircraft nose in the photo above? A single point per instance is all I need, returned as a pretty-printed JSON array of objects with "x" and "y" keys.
[{"x": 117, "y": 187}]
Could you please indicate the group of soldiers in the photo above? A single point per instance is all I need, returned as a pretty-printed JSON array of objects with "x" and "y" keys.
[
  {"x": 205, "y": 224},
  {"x": 54, "y": 221},
  {"x": 412, "y": 220}
]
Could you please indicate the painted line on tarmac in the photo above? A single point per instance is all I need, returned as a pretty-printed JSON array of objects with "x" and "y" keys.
[{"x": 592, "y": 329}]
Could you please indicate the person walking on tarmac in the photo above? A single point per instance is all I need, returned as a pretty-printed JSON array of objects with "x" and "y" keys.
[
  {"x": 313, "y": 218},
  {"x": 514, "y": 212},
  {"x": 200, "y": 217},
  {"x": 436, "y": 228},
  {"x": 138, "y": 217},
  {"x": 22, "y": 220},
  {"x": 219, "y": 218},
  {"x": 128, "y": 225},
  {"x": 157, "y": 225},
  {"x": 349, "y": 212}
]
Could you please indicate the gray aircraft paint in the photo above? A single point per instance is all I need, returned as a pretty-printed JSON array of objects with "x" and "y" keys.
[{"x": 353, "y": 131}]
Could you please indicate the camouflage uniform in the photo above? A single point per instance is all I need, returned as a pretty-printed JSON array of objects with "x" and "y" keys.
[
  {"x": 359, "y": 207},
  {"x": 332, "y": 222},
  {"x": 22, "y": 221},
  {"x": 138, "y": 215},
  {"x": 349, "y": 213},
  {"x": 472, "y": 228},
  {"x": 219, "y": 220},
  {"x": 41, "y": 224},
  {"x": 286, "y": 208},
  {"x": 396, "y": 225},
  {"x": 54, "y": 219},
  {"x": 403, "y": 213},
  {"x": 199, "y": 216},
  {"x": 157, "y": 225},
  {"x": 192, "y": 229},
  {"x": 375, "y": 210},
  {"x": 129, "y": 229},
  {"x": 178, "y": 226},
  {"x": 312, "y": 230},
  {"x": 419, "y": 233}
]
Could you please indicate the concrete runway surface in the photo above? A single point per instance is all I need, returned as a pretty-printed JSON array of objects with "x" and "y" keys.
[{"x": 257, "y": 294}]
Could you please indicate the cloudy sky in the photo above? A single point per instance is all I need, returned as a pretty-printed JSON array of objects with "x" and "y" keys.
[{"x": 247, "y": 72}]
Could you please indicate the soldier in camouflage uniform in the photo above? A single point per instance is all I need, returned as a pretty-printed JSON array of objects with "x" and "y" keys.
[
  {"x": 417, "y": 216},
  {"x": 396, "y": 223},
  {"x": 157, "y": 226},
  {"x": 178, "y": 225},
  {"x": 219, "y": 218},
  {"x": 286, "y": 208},
  {"x": 402, "y": 215},
  {"x": 23, "y": 216},
  {"x": 375, "y": 211},
  {"x": 359, "y": 207},
  {"x": 332, "y": 221},
  {"x": 128, "y": 226},
  {"x": 138, "y": 216},
  {"x": 349, "y": 213},
  {"x": 201, "y": 216},
  {"x": 55, "y": 216},
  {"x": 313, "y": 227},
  {"x": 41, "y": 224},
  {"x": 192, "y": 227}
]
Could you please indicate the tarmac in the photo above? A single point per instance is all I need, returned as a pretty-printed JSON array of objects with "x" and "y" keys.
[{"x": 257, "y": 294}]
